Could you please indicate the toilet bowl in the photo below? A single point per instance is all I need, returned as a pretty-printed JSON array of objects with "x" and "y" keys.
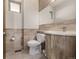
[{"x": 35, "y": 45}]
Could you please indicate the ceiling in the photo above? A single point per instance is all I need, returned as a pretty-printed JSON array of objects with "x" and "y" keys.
[
  {"x": 44, "y": 3},
  {"x": 58, "y": 2}
]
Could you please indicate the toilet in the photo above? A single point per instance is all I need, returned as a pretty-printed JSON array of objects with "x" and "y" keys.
[{"x": 35, "y": 45}]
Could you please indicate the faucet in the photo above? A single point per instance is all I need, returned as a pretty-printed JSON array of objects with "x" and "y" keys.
[{"x": 64, "y": 28}]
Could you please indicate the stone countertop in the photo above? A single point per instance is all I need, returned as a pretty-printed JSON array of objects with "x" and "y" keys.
[
  {"x": 65, "y": 33},
  {"x": 68, "y": 29}
]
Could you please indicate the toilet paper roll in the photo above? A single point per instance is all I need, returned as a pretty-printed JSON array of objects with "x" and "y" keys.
[{"x": 12, "y": 39}]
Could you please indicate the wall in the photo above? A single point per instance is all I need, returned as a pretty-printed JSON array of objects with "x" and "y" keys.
[
  {"x": 31, "y": 18},
  {"x": 11, "y": 46},
  {"x": 31, "y": 14},
  {"x": 14, "y": 24},
  {"x": 14, "y": 20},
  {"x": 66, "y": 10},
  {"x": 45, "y": 16},
  {"x": 17, "y": 0}
]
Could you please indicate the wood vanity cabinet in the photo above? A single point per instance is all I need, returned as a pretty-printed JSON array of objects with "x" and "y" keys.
[
  {"x": 60, "y": 47},
  {"x": 48, "y": 46}
]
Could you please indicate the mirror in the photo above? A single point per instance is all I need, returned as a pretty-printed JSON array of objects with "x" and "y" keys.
[
  {"x": 59, "y": 11},
  {"x": 47, "y": 12}
]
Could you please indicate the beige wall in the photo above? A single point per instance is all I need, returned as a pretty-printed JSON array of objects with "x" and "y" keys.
[{"x": 11, "y": 46}]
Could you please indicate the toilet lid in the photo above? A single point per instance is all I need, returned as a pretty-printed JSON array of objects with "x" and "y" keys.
[{"x": 40, "y": 37}]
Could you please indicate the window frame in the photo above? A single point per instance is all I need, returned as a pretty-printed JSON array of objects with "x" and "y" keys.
[{"x": 15, "y": 2}]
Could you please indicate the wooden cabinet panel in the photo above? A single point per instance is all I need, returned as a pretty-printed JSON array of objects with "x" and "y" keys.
[
  {"x": 60, "y": 47},
  {"x": 48, "y": 46},
  {"x": 70, "y": 46},
  {"x": 56, "y": 47}
]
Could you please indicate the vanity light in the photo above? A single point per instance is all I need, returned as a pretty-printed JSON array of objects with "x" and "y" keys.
[{"x": 52, "y": 0}]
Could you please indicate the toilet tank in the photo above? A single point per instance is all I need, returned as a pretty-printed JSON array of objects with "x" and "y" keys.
[{"x": 40, "y": 37}]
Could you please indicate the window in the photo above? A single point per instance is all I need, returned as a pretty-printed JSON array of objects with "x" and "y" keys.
[{"x": 15, "y": 7}]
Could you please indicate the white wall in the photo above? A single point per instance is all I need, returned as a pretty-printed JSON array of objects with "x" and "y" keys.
[
  {"x": 45, "y": 16},
  {"x": 66, "y": 10},
  {"x": 16, "y": 0},
  {"x": 31, "y": 16},
  {"x": 14, "y": 20}
]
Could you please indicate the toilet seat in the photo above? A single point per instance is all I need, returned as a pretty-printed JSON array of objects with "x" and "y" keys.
[
  {"x": 33, "y": 43},
  {"x": 40, "y": 37}
]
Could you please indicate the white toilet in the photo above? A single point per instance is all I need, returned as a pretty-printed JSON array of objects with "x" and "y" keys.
[{"x": 35, "y": 45}]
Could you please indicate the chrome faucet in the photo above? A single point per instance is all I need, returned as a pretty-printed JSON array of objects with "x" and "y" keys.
[{"x": 64, "y": 28}]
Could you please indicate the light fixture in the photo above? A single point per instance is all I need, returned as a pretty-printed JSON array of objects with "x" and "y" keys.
[{"x": 52, "y": 0}]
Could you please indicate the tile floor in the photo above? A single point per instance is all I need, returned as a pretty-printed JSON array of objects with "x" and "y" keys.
[{"x": 23, "y": 55}]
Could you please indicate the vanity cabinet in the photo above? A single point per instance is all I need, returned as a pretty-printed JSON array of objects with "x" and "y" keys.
[
  {"x": 60, "y": 46},
  {"x": 48, "y": 46}
]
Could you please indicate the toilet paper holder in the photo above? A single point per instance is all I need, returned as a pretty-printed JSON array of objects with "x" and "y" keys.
[{"x": 12, "y": 38}]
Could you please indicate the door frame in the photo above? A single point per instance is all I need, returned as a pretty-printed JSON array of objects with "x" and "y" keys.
[{"x": 5, "y": 15}]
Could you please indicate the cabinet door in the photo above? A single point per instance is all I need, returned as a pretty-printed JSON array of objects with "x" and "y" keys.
[
  {"x": 56, "y": 52},
  {"x": 70, "y": 46},
  {"x": 48, "y": 46},
  {"x": 63, "y": 47}
]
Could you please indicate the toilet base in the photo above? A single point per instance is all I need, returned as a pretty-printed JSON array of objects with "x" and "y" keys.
[{"x": 35, "y": 50}]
